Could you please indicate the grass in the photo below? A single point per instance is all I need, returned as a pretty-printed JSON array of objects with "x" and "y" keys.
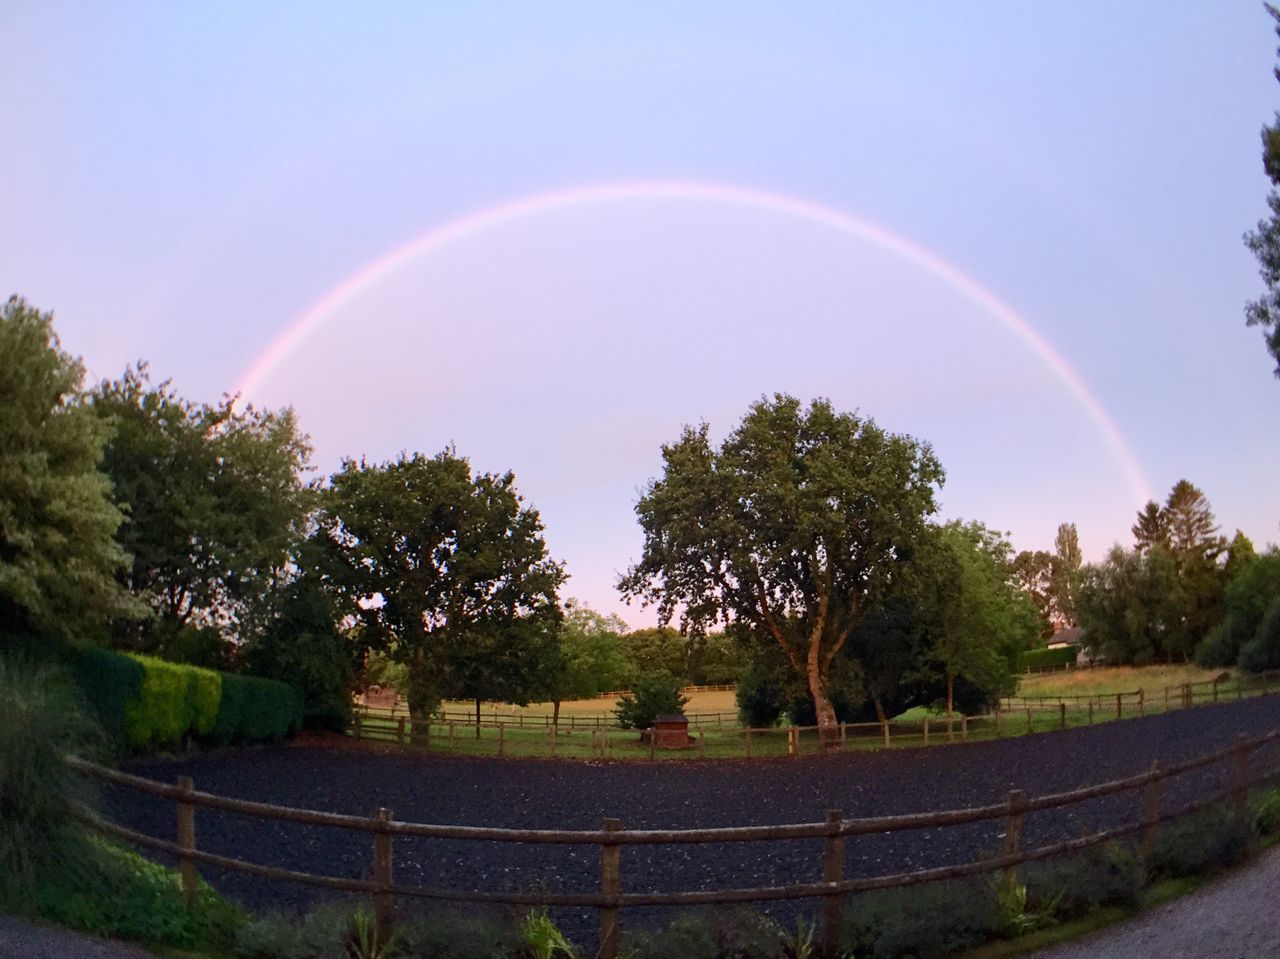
[
  {"x": 1113, "y": 679},
  {"x": 700, "y": 701}
]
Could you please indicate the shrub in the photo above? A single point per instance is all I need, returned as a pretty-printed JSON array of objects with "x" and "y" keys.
[
  {"x": 256, "y": 710},
  {"x": 654, "y": 694},
  {"x": 1262, "y": 652},
  {"x": 1042, "y": 658},
  {"x": 760, "y": 700},
  {"x": 317, "y": 935},
  {"x": 1200, "y": 843},
  {"x": 164, "y": 710},
  {"x": 934, "y": 919},
  {"x": 721, "y": 934},
  {"x": 109, "y": 681},
  {"x": 124, "y": 895},
  {"x": 1103, "y": 875},
  {"x": 1266, "y": 814},
  {"x": 41, "y": 720}
]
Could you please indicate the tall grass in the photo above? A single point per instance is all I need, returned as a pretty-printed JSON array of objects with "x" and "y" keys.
[{"x": 41, "y": 720}]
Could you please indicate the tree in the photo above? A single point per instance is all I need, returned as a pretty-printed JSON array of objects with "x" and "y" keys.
[
  {"x": 1196, "y": 549},
  {"x": 792, "y": 528},
  {"x": 984, "y": 621},
  {"x": 657, "y": 650},
  {"x": 1250, "y": 593},
  {"x": 1133, "y": 609},
  {"x": 447, "y": 572},
  {"x": 1033, "y": 574},
  {"x": 1064, "y": 576},
  {"x": 214, "y": 501},
  {"x": 58, "y": 555},
  {"x": 590, "y": 659},
  {"x": 654, "y": 695},
  {"x": 1151, "y": 529},
  {"x": 1265, "y": 240}
]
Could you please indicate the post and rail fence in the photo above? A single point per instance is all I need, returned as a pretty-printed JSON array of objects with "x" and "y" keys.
[
  {"x": 1241, "y": 775},
  {"x": 719, "y": 735}
]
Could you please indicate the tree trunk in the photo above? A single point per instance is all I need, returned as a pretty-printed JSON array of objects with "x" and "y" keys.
[
  {"x": 477, "y": 719},
  {"x": 951, "y": 680},
  {"x": 555, "y": 717},
  {"x": 879, "y": 709},
  {"x": 422, "y": 697},
  {"x": 828, "y": 727}
]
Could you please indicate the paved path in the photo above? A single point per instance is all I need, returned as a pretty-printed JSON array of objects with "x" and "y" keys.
[
  {"x": 1235, "y": 917},
  {"x": 19, "y": 938}
]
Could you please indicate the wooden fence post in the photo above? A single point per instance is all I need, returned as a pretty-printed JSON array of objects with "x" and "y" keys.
[
  {"x": 1240, "y": 788},
  {"x": 1090, "y": 710},
  {"x": 1119, "y": 705},
  {"x": 451, "y": 731},
  {"x": 999, "y": 730},
  {"x": 610, "y": 887},
  {"x": 1151, "y": 815},
  {"x": 359, "y": 724},
  {"x": 884, "y": 729},
  {"x": 843, "y": 736},
  {"x": 187, "y": 840},
  {"x": 1142, "y": 702},
  {"x": 1166, "y": 699},
  {"x": 653, "y": 743},
  {"x": 1013, "y": 833},
  {"x": 833, "y": 871},
  {"x": 1215, "y": 689},
  {"x": 1062, "y": 715},
  {"x": 502, "y": 739},
  {"x": 1239, "y": 687},
  {"x": 400, "y": 731},
  {"x": 1030, "y": 725},
  {"x": 1186, "y": 694},
  {"x": 964, "y": 728},
  {"x": 748, "y": 741},
  {"x": 702, "y": 744},
  {"x": 383, "y": 904},
  {"x": 926, "y": 730}
]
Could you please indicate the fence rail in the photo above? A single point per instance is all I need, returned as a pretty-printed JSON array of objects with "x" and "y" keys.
[{"x": 1240, "y": 777}]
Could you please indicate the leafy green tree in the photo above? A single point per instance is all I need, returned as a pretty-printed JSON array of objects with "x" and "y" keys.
[
  {"x": 1265, "y": 240},
  {"x": 985, "y": 622},
  {"x": 1033, "y": 574},
  {"x": 1064, "y": 576},
  {"x": 656, "y": 650},
  {"x": 1132, "y": 608},
  {"x": 58, "y": 555},
  {"x": 214, "y": 501},
  {"x": 1152, "y": 527},
  {"x": 590, "y": 659},
  {"x": 445, "y": 571},
  {"x": 1249, "y": 596},
  {"x": 793, "y": 527}
]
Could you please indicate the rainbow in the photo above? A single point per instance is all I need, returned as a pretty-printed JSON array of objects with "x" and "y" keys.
[{"x": 632, "y": 191}]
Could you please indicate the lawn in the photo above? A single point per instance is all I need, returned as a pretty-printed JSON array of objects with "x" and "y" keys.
[
  {"x": 700, "y": 702},
  {"x": 1106, "y": 680}
]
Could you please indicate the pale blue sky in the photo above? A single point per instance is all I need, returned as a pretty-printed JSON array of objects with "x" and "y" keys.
[{"x": 182, "y": 182}]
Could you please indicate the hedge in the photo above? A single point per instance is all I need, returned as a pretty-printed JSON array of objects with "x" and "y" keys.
[
  {"x": 151, "y": 703},
  {"x": 1040, "y": 658}
]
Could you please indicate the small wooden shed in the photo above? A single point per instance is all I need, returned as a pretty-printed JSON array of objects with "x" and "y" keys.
[{"x": 672, "y": 730}]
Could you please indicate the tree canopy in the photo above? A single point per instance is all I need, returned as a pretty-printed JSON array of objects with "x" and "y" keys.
[
  {"x": 792, "y": 527},
  {"x": 446, "y": 571},
  {"x": 214, "y": 501},
  {"x": 1264, "y": 241},
  {"x": 58, "y": 553}
]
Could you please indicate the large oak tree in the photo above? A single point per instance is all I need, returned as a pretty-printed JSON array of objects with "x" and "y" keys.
[{"x": 791, "y": 528}]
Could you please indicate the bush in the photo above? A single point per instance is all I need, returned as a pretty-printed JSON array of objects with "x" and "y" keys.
[
  {"x": 109, "y": 681},
  {"x": 1266, "y": 814},
  {"x": 1043, "y": 658},
  {"x": 934, "y": 919},
  {"x": 1103, "y": 875},
  {"x": 256, "y": 710},
  {"x": 1262, "y": 652},
  {"x": 41, "y": 720},
  {"x": 124, "y": 895},
  {"x": 1201, "y": 843},
  {"x": 760, "y": 700},
  {"x": 164, "y": 711},
  {"x": 722, "y": 934},
  {"x": 654, "y": 695}
]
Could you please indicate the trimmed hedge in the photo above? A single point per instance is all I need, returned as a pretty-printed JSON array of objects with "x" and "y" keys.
[
  {"x": 149, "y": 703},
  {"x": 1041, "y": 658}
]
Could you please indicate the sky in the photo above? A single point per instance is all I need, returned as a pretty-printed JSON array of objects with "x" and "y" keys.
[{"x": 551, "y": 235}]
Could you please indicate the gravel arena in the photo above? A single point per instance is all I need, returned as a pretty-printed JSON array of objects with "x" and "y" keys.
[{"x": 339, "y": 776}]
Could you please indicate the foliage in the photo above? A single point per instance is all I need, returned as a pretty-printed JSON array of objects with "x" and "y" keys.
[
  {"x": 127, "y": 896},
  {"x": 724, "y": 933},
  {"x": 651, "y": 696},
  {"x": 58, "y": 555},
  {"x": 1016, "y": 914},
  {"x": 1264, "y": 242},
  {"x": 41, "y": 720},
  {"x": 1131, "y": 606},
  {"x": 1064, "y": 576},
  {"x": 791, "y": 528},
  {"x": 301, "y": 642},
  {"x": 175, "y": 701},
  {"x": 543, "y": 938},
  {"x": 1250, "y": 594},
  {"x": 1107, "y": 874},
  {"x": 716, "y": 660},
  {"x": 657, "y": 650},
  {"x": 256, "y": 710},
  {"x": 760, "y": 697},
  {"x": 362, "y": 939},
  {"x": 108, "y": 681},
  {"x": 446, "y": 571},
  {"x": 935, "y": 919},
  {"x": 1203, "y": 842},
  {"x": 1263, "y": 651},
  {"x": 213, "y": 498},
  {"x": 1042, "y": 658},
  {"x": 1266, "y": 814},
  {"x": 1033, "y": 573},
  {"x": 590, "y": 659}
]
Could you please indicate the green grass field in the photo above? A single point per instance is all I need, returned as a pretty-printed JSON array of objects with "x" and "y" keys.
[{"x": 1113, "y": 679}]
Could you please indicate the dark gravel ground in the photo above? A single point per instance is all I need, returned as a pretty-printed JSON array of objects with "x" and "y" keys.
[{"x": 668, "y": 795}]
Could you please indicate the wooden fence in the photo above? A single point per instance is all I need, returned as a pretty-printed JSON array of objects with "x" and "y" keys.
[
  {"x": 833, "y": 888},
  {"x": 718, "y": 735}
]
